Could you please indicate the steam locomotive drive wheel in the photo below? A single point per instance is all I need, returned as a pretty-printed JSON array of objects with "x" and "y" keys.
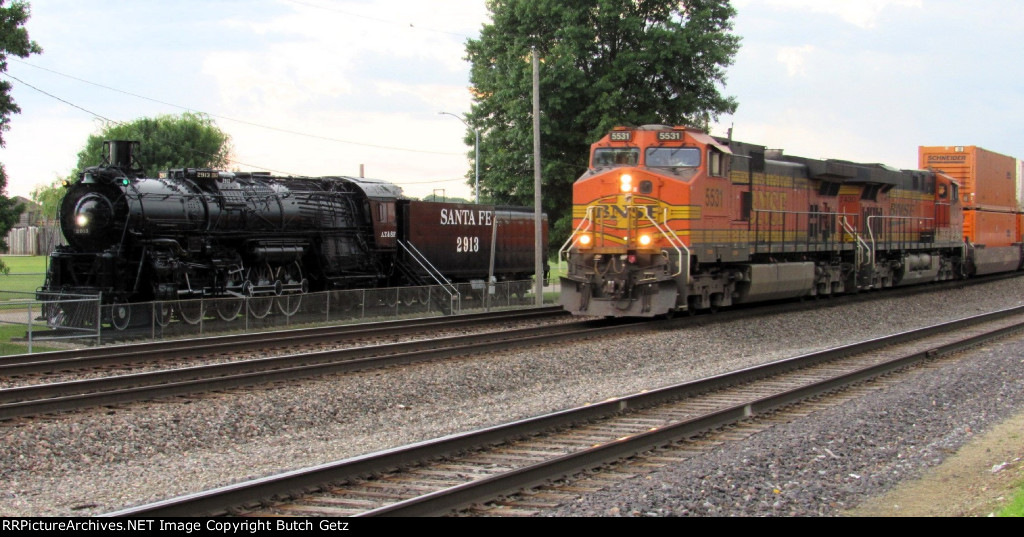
[
  {"x": 260, "y": 307},
  {"x": 290, "y": 274},
  {"x": 191, "y": 311},
  {"x": 228, "y": 308},
  {"x": 261, "y": 276},
  {"x": 162, "y": 313}
]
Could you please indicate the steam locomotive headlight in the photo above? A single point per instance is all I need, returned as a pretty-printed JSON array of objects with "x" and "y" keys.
[
  {"x": 627, "y": 182},
  {"x": 645, "y": 240},
  {"x": 93, "y": 211}
]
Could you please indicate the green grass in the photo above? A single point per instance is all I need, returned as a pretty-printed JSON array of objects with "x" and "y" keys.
[
  {"x": 1016, "y": 507},
  {"x": 25, "y": 276},
  {"x": 21, "y": 263},
  {"x": 10, "y": 332}
]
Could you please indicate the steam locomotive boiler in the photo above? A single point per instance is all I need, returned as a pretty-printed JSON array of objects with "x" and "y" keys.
[{"x": 194, "y": 233}]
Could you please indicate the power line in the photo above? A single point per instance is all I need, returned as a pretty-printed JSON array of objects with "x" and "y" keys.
[
  {"x": 115, "y": 122},
  {"x": 12, "y": 77},
  {"x": 242, "y": 121},
  {"x": 193, "y": 150}
]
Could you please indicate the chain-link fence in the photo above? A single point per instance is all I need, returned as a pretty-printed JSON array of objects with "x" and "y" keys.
[
  {"x": 27, "y": 318},
  {"x": 85, "y": 318}
]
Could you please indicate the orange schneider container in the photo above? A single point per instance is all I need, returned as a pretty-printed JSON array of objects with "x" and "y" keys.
[
  {"x": 991, "y": 228},
  {"x": 987, "y": 180}
]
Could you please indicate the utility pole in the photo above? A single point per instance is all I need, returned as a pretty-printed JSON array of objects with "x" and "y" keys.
[{"x": 539, "y": 249}]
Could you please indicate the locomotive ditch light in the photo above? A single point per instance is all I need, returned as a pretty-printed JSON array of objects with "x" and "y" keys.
[
  {"x": 585, "y": 240},
  {"x": 645, "y": 240}
]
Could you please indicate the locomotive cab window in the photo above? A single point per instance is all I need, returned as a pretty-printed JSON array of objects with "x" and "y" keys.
[
  {"x": 672, "y": 157},
  {"x": 716, "y": 163},
  {"x": 385, "y": 212},
  {"x": 606, "y": 157}
]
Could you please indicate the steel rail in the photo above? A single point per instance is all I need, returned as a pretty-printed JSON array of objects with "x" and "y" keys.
[
  {"x": 225, "y": 499},
  {"x": 74, "y": 395}
]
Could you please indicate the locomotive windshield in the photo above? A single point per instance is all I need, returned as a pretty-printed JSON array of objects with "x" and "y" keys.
[
  {"x": 616, "y": 156},
  {"x": 672, "y": 157}
]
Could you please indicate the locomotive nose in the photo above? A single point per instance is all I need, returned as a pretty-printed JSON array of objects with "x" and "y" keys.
[{"x": 93, "y": 212}]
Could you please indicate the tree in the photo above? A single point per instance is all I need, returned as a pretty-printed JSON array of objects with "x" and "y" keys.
[
  {"x": 10, "y": 211},
  {"x": 604, "y": 63},
  {"x": 48, "y": 197},
  {"x": 13, "y": 40},
  {"x": 187, "y": 141}
]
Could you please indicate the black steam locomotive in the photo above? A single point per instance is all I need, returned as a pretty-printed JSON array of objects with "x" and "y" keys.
[{"x": 193, "y": 233}]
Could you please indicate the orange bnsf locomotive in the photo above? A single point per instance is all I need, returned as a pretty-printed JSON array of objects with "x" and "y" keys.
[{"x": 672, "y": 219}]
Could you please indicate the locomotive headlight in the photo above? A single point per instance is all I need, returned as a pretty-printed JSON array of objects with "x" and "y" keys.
[
  {"x": 93, "y": 211},
  {"x": 645, "y": 240},
  {"x": 627, "y": 182}
]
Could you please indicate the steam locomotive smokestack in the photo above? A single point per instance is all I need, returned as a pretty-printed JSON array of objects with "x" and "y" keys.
[{"x": 121, "y": 154}]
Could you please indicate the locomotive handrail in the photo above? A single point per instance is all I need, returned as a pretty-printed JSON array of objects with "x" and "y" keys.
[
  {"x": 572, "y": 237},
  {"x": 670, "y": 234},
  {"x": 431, "y": 270},
  {"x": 856, "y": 236},
  {"x": 808, "y": 214},
  {"x": 871, "y": 230}
]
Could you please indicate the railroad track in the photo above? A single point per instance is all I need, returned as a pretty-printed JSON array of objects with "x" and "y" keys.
[
  {"x": 435, "y": 477},
  {"x": 74, "y": 395},
  {"x": 54, "y": 397},
  {"x": 156, "y": 352}
]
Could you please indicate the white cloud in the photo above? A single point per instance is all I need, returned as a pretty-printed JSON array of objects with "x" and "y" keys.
[{"x": 794, "y": 59}]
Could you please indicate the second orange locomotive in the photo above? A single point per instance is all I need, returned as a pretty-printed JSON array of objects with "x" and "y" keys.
[{"x": 671, "y": 219}]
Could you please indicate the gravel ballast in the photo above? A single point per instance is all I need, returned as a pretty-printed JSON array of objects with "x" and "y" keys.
[
  {"x": 104, "y": 460},
  {"x": 830, "y": 461}
]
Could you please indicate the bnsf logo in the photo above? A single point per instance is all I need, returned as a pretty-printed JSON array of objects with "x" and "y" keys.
[{"x": 618, "y": 211}]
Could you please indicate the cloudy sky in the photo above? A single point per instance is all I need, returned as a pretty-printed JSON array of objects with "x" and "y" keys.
[{"x": 317, "y": 87}]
